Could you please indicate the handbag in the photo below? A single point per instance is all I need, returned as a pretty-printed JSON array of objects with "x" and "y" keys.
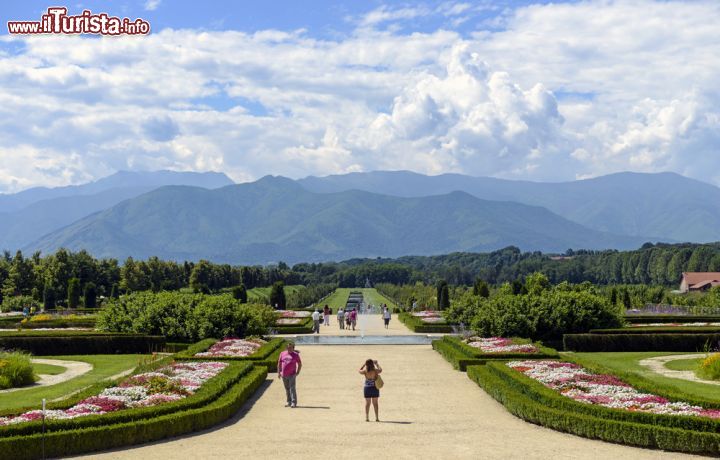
[{"x": 379, "y": 382}]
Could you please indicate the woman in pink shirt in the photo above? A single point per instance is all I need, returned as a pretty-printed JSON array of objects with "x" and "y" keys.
[{"x": 289, "y": 365}]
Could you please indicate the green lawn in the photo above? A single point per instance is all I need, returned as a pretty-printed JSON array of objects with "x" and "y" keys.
[
  {"x": 630, "y": 362},
  {"x": 48, "y": 369},
  {"x": 104, "y": 366},
  {"x": 684, "y": 364},
  {"x": 259, "y": 294},
  {"x": 339, "y": 298}
]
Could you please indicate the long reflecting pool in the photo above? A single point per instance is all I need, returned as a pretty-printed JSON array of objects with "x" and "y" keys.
[{"x": 367, "y": 340}]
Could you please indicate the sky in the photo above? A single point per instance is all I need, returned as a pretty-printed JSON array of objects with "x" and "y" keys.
[{"x": 517, "y": 90}]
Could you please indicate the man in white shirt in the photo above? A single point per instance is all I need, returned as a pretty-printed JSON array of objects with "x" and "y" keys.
[{"x": 316, "y": 321}]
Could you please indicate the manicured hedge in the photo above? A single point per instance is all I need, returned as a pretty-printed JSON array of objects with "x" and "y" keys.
[
  {"x": 417, "y": 325},
  {"x": 263, "y": 356},
  {"x": 638, "y": 319},
  {"x": 76, "y": 344},
  {"x": 72, "y": 442},
  {"x": 660, "y": 330},
  {"x": 535, "y": 403},
  {"x": 208, "y": 392},
  {"x": 639, "y": 342},
  {"x": 59, "y": 323},
  {"x": 461, "y": 355},
  {"x": 305, "y": 327}
]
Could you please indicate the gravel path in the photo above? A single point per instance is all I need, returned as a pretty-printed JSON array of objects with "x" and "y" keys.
[
  {"x": 657, "y": 365},
  {"x": 429, "y": 411},
  {"x": 72, "y": 370}
]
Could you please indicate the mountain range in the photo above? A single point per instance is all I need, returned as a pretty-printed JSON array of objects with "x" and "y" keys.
[{"x": 375, "y": 214}]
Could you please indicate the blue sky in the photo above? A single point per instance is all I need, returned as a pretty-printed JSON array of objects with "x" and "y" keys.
[{"x": 520, "y": 90}]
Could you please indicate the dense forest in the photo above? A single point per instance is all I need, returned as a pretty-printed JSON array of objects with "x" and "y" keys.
[{"x": 47, "y": 278}]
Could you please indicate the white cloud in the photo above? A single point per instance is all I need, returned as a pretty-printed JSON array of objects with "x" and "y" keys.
[
  {"x": 562, "y": 91},
  {"x": 151, "y": 5}
]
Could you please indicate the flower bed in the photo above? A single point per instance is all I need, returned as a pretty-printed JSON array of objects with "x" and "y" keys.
[
  {"x": 288, "y": 321},
  {"x": 232, "y": 348},
  {"x": 500, "y": 345},
  {"x": 433, "y": 320},
  {"x": 697, "y": 324},
  {"x": 294, "y": 314},
  {"x": 426, "y": 314},
  {"x": 579, "y": 384},
  {"x": 166, "y": 384}
]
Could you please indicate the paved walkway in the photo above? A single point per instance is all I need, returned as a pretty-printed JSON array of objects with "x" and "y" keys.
[
  {"x": 429, "y": 411},
  {"x": 657, "y": 364},
  {"x": 370, "y": 324},
  {"x": 72, "y": 369}
]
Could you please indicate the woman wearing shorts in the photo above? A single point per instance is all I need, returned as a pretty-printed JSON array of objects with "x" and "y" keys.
[{"x": 371, "y": 370}]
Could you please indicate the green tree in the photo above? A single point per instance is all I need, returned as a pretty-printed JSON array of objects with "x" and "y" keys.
[
  {"x": 240, "y": 293},
  {"x": 200, "y": 277},
  {"x": 481, "y": 288},
  {"x": 73, "y": 292},
  {"x": 444, "y": 299},
  {"x": 48, "y": 296},
  {"x": 536, "y": 283},
  {"x": 90, "y": 295},
  {"x": 277, "y": 295}
]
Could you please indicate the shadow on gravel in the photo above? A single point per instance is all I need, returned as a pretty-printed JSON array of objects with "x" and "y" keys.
[
  {"x": 397, "y": 423},
  {"x": 312, "y": 407}
]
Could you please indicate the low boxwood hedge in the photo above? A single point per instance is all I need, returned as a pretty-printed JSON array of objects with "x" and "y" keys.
[
  {"x": 266, "y": 355},
  {"x": 305, "y": 327},
  {"x": 537, "y": 404},
  {"x": 642, "y": 319},
  {"x": 59, "y": 323},
  {"x": 461, "y": 355},
  {"x": 415, "y": 324},
  {"x": 208, "y": 392},
  {"x": 639, "y": 342},
  {"x": 44, "y": 344},
  {"x": 660, "y": 330},
  {"x": 71, "y": 442}
]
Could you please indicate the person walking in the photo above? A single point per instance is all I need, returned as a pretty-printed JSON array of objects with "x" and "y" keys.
[
  {"x": 289, "y": 365},
  {"x": 316, "y": 321},
  {"x": 353, "y": 318},
  {"x": 341, "y": 318},
  {"x": 371, "y": 370},
  {"x": 386, "y": 316},
  {"x": 326, "y": 315}
]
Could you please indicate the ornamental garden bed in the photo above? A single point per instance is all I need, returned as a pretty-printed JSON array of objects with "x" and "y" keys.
[
  {"x": 568, "y": 397},
  {"x": 643, "y": 341},
  {"x": 214, "y": 401},
  {"x": 425, "y": 322},
  {"x": 475, "y": 350},
  {"x": 670, "y": 328},
  {"x": 254, "y": 350},
  {"x": 638, "y": 319},
  {"x": 294, "y": 322}
]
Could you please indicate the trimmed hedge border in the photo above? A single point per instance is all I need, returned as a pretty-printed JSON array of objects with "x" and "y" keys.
[
  {"x": 670, "y": 319},
  {"x": 305, "y": 327},
  {"x": 461, "y": 355},
  {"x": 82, "y": 344},
  {"x": 267, "y": 355},
  {"x": 530, "y": 403},
  {"x": 638, "y": 342},
  {"x": 72, "y": 442},
  {"x": 416, "y": 325},
  {"x": 660, "y": 330}
]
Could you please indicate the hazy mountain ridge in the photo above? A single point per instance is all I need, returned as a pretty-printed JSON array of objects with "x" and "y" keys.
[
  {"x": 277, "y": 219},
  {"x": 665, "y": 205}
]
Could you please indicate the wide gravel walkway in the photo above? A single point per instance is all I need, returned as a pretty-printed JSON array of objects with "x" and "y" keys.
[{"x": 429, "y": 411}]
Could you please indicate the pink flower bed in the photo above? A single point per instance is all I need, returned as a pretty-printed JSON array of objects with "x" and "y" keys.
[
  {"x": 232, "y": 348},
  {"x": 167, "y": 384},
  {"x": 433, "y": 319},
  {"x": 500, "y": 345},
  {"x": 282, "y": 321},
  {"x": 294, "y": 314},
  {"x": 578, "y": 383},
  {"x": 427, "y": 314}
]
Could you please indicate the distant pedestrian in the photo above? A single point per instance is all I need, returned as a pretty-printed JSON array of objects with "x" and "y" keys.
[
  {"x": 386, "y": 316},
  {"x": 371, "y": 370},
  {"x": 289, "y": 365},
  {"x": 326, "y": 315},
  {"x": 26, "y": 311},
  {"x": 341, "y": 318},
  {"x": 316, "y": 321},
  {"x": 353, "y": 318},
  {"x": 348, "y": 321}
]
